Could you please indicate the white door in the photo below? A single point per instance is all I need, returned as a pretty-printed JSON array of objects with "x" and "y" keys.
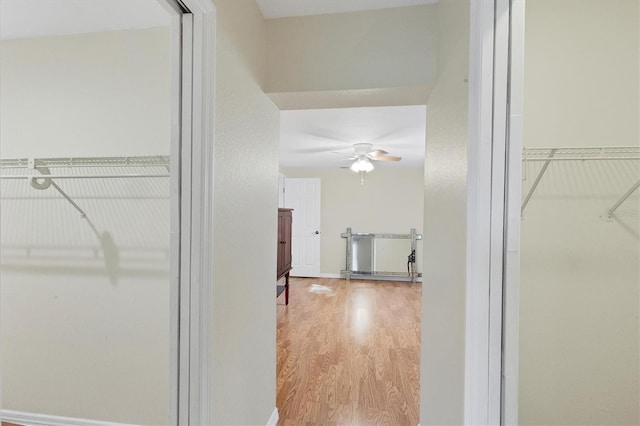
[{"x": 303, "y": 196}]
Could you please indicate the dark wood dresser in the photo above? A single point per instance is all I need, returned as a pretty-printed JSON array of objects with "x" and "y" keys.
[{"x": 285, "y": 218}]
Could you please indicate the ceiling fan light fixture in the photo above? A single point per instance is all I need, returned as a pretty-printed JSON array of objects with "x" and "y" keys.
[{"x": 362, "y": 165}]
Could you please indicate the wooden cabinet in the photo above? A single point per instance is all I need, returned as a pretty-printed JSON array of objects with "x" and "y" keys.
[{"x": 285, "y": 218}]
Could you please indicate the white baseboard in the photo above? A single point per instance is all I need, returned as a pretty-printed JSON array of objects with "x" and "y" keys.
[
  {"x": 273, "y": 420},
  {"x": 329, "y": 275},
  {"x": 32, "y": 419}
]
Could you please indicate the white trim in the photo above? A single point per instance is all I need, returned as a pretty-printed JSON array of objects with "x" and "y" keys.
[
  {"x": 184, "y": 154},
  {"x": 33, "y": 419},
  {"x": 175, "y": 166},
  {"x": 498, "y": 200},
  {"x": 198, "y": 188},
  {"x": 174, "y": 11},
  {"x": 329, "y": 275},
  {"x": 511, "y": 289},
  {"x": 273, "y": 420},
  {"x": 332, "y": 275},
  {"x": 476, "y": 389},
  {"x": 493, "y": 175},
  {"x": 195, "y": 212}
]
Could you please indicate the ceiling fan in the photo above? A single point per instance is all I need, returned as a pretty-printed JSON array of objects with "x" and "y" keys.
[{"x": 365, "y": 154}]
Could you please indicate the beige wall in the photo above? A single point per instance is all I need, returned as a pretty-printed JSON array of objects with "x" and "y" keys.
[
  {"x": 245, "y": 222},
  {"x": 390, "y": 201},
  {"x": 580, "y": 276},
  {"x": 361, "y": 50},
  {"x": 85, "y": 313},
  {"x": 119, "y": 335},
  {"x": 92, "y": 94},
  {"x": 445, "y": 187}
]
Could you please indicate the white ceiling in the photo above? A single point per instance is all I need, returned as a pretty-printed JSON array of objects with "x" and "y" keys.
[
  {"x": 309, "y": 138},
  {"x": 39, "y": 18},
  {"x": 285, "y": 8}
]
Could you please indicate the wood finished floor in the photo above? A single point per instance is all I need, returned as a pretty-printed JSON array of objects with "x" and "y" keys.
[{"x": 348, "y": 353}]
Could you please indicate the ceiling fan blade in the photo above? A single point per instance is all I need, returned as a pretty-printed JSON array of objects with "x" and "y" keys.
[
  {"x": 381, "y": 155},
  {"x": 387, "y": 158},
  {"x": 321, "y": 133},
  {"x": 317, "y": 150}
]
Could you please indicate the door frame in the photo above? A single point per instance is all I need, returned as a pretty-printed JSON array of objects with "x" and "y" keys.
[
  {"x": 193, "y": 29},
  {"x": 513, "y": 191},
  {"x": 493, "y": 216}
]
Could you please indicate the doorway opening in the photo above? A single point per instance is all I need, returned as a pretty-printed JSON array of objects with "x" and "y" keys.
[{"x": 371, "y": 75}]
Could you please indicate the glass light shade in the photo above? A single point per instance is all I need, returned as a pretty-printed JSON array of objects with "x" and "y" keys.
[{"x": 362, "y": 165}]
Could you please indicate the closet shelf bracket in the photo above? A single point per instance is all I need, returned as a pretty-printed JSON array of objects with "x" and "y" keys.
[
  {"x": 66, "y": 197},
  {"x": 541, "y": 173},
  {"x": 44, "y": 182},
  {"x": 612, "y": 210}
]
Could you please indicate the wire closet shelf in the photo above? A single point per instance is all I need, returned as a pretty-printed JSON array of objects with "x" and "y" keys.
[
  {"x": 38, "y": 170},
  {"x": 584, "y": 153},
  {"x": 549, "y": 155}
]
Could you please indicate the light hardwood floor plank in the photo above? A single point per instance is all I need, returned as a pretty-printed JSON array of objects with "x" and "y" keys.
[{"x": 348, "y": 353}]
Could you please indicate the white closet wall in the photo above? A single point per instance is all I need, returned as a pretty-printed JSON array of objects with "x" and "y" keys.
[
  {"x": 580, "y": 276},
  {"x": 85, "y": 301}
]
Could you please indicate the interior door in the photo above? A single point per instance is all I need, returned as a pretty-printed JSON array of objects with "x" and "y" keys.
[{"x": 303, "y": 196}]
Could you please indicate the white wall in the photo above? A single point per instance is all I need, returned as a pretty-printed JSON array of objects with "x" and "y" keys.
[
  {"x": 390, "y": 201},
  {"x": 445, "y": 186},
  {"x": 361, "y": 50},
  {"x": 580, "y": 276},
  {"x": 85, "y": 312},
  {"x": 245, "y": 222}
]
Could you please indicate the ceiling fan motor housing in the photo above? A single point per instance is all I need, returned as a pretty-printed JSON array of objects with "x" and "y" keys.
[{"x": 362, "y": 148}]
